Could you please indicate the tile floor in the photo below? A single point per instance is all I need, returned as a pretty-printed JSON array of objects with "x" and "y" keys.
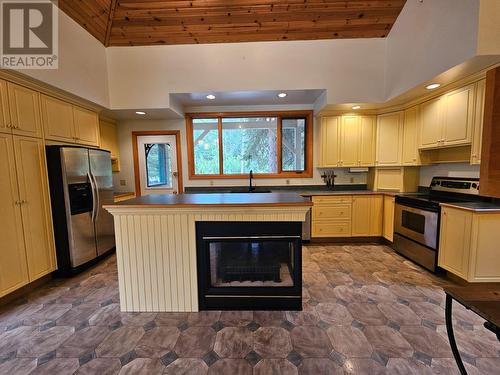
[{"x": 366, "y": 311}]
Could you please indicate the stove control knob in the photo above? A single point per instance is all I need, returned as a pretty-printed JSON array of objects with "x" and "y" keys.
[{"x": 475, "y": 186}]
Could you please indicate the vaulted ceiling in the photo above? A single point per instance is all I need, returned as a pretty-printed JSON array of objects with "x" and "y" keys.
[{"x": 155, "y": 22}]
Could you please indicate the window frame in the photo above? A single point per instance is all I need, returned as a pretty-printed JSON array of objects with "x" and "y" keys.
[{"x": 280, "y": 115}]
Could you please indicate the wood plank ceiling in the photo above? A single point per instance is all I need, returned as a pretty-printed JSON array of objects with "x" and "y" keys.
[{"x": 155, "y": 22}]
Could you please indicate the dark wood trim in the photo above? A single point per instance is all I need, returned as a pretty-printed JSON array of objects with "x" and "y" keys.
[
  {"x": 308, "y": 170},
  {"x": 109, "y": 24},
  {"x": 490, "y": 157},
  {"x": 137, "y": 177},
  {"x": 221, "y": 151}
]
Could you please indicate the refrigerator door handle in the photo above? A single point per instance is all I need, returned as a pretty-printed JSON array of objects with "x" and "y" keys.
[
  {"x": 94, "y": 197},
  {"x": 98, "y": 205}
]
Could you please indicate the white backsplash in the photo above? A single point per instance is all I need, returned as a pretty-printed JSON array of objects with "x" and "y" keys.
[{"x": 447, "y": 170}]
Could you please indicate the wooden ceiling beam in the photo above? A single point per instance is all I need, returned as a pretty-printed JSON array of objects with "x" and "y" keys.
[{"x": 110, "y": 21}]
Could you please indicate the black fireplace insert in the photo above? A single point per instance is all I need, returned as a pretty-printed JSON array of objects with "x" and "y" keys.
[{"x": 249, "y": 265}]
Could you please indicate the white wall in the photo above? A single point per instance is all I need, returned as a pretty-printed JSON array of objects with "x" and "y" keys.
[
  {"x": 142, "y": 77},
  {"x": 126, "y": 173},
  {"x": 447, "y": 170},
  {"x": 427, "y": 39},
  {"x": 82, "y": 64}
]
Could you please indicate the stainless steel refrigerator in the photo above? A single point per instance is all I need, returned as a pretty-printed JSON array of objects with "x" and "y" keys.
[{"x": 81, "y": 183}]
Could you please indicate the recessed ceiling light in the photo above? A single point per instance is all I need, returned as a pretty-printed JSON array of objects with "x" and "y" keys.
[
  {"x": 356, "y": 107},
  {"x": 140, "y": 112},
  {"x": 210, "y": 97},
  {"x": 432, "y": 86},
  {"x": 282, "y": 95}
]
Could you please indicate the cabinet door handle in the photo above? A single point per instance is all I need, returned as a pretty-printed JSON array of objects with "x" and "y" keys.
[
  {"x": 17, "y": 203},
  {"x": 24, "y": 201}
]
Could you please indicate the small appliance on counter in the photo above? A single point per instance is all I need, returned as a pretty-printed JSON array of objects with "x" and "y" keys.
[
  {"x": 81, "y": 182},
  {"x": 417, "y": 217}
]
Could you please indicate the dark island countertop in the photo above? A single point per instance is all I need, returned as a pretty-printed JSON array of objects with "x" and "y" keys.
[{"x": 214, "y": 200}]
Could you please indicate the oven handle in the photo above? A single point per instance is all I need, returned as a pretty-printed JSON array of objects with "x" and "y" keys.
[{"x": 251, "y": 238}]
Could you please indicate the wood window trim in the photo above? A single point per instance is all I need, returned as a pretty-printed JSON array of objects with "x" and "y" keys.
[
  {"x": 308, "y": 170},
  {"x": 137, "y": 176}
]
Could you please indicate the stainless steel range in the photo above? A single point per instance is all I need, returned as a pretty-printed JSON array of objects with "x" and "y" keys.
[{"x": 417, "y": 217}]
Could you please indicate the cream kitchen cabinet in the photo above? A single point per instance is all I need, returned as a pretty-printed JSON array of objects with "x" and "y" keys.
[
  {"x": 86, "y": 126},
  {"x": 431, "y": 115},
  {"x": 388, "y": 220},
  {"x": 447, "y": 121},
  {"x": 468, "y": 245},
  {"x": 66, "y": 122},
  {"x": 24, "y": 106},
  {"x": 389, "y": 139},
  {"x": 348, "y": 141},
  {"x": 330, "y": 130},
  {"x": 477, "y": 135},
  {"x": 367, "y": 216},
  {"x": 397, "y": 179},
  {"x": 109, "y": 141},
  {"x": 13, "y": 266},
  {"x": 4, "y": 108},
  {"x": 57, "y": 119},
  {"x": 27, "y": 250},
  {"x": 331, "y": 216},
  {"x": 410, "y": 155}
]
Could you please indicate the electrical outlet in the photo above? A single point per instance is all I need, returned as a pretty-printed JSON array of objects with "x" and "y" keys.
[
  {"x": 352, "y": 180},
  {"x": 123, "y": 182},
  {"x": 288, "y": 182},
  {"x": 211, "y": 182}
]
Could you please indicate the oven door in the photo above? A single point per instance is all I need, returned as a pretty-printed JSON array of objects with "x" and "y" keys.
[{"x": 417, "y": 224}]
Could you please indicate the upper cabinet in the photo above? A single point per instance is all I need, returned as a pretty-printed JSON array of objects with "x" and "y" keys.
[
  {"x": 24, "y": 106},
  {"x": 65, "y": 122},
  {"x": 4, "y": 108},
  {"x": 458, "y": 116},
  {"x": 348, "y": 141},
  {"x": 57, "y": 119},
  {"x": 86, "y": 126},
  {"x": 477, "y": 134},
  {"x": 109, "y": 141},
  {"x": 447, "y": 121},
  {"x": 330, "y": 154},
  {"x": 389, "y": 139},
  {"x": 410, "y": 155}
]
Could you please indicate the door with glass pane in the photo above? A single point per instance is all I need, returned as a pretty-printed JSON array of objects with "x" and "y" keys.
[{"x": 157, "y": 156}]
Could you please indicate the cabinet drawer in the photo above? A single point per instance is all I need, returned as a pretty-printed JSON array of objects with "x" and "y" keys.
[
  {"x": 340, "y": 211},
  {"x": 331, "y": 199},
  {"x": 331, "y": 229}
]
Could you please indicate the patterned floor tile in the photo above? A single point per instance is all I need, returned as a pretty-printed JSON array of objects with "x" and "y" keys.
[
  {"x": 230, "y": 367},
  {"x": 358, "y": 300},
  {"x": 157, "y": 342},
  {"x": 311, "y": 342},
  {"x": 272, "y": 342},
  {"x": 195, "y": 342},
  {"x": 233, "y": 342}
]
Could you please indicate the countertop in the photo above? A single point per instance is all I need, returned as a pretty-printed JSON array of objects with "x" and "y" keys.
[
  {"x": 475, "y": 206},
  {"x": 346, "y": 192},
  {"x": 215, "y": 200}
]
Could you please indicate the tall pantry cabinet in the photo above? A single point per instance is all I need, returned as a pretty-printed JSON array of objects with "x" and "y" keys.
[{"x": 27, "y": 245}]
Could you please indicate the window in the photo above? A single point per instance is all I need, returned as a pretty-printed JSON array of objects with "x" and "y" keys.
[
  {"x": 233, "y": 144},
  {"x": 158, "y": 164}
]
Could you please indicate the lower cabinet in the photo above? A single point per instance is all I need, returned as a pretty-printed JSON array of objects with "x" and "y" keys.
[
  {"x": 468, "y": 245},
  {"x": 27, "y": 248},
  {"x": 388, "y": 218},
  {"x": 347, "y": 216},
  {"x": 367, "y": 215}
]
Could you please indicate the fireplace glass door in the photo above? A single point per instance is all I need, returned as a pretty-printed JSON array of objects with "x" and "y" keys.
[{"x": 251, "y": 262}]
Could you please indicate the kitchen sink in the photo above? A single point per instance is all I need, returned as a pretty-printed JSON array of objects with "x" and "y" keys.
[{"x": 246, "y": 190}]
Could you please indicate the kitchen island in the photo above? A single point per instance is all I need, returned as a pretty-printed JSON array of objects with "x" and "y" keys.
[{"x": 171, "y": 247}]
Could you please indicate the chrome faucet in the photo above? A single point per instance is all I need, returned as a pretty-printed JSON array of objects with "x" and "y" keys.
[{"x": 250, "y": 187}]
